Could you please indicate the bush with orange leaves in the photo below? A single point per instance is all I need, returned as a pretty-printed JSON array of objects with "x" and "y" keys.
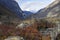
[
  {"x": 28, "y": 33},
  {"x": 31, "y": 34}
]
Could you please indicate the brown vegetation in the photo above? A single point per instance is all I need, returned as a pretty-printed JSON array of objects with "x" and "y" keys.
[{"x": 28, "y": 33}]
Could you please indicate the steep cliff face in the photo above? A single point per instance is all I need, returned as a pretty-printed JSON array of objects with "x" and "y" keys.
[{"x": 52, "y": 10}]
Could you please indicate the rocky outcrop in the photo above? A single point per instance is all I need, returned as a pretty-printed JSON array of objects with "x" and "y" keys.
[{"x": 14, "y": 38}]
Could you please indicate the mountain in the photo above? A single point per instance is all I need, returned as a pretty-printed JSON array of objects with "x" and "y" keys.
[
  {"x": 12, "y": 6},
  {"x": 10, "y": 12},
  {"x": 55, "y": 9},
  {"x": 27, "y": 14},
  {"x": 52, "y": 10}
]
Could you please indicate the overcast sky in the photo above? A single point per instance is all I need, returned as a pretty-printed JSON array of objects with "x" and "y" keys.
[{"x": 33, "y": 5}]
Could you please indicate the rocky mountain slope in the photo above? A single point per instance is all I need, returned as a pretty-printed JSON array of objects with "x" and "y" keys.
[
  {"x": 11, "y": 5},
  {"x": 52, "y": 10},
  {"x": 10, "y": 11},
  {"x": 55, "y": 9}
]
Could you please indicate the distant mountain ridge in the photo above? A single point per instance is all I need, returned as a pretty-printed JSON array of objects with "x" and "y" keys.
[{"x": 27, "y": 14}]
